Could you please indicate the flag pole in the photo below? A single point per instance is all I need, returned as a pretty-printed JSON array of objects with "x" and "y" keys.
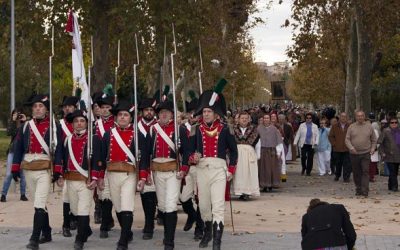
[{"x": 12, "y": 70}]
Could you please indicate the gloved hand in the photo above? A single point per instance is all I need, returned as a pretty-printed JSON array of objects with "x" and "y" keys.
[
  {"x": 56, "y": 176},
  {"x": 16, "y": 176}
]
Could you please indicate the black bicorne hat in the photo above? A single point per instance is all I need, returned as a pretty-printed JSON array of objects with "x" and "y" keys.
[
  {"x": 168, "y": 105},
  {"x": 205, "y": 101},
  {"x": 192, "y": 105},
  {"x": 108, "y": 100},
  {"x": 77, "y": 113},
  {"x": 123, "y": 105},
  {"x": 70, "y": 101},
  {"x": 39, "y": 98},
  {"x": 148, "y": 103}
]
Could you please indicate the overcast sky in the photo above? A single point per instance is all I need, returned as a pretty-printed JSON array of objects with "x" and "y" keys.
[{"x": 270, "y": 39}]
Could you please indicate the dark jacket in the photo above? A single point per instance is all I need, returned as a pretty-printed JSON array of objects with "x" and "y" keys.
[
  {"x": 388, "y": 146},
  {"x": 337, "y": 136},
  {"x": 327, "y": 225}
]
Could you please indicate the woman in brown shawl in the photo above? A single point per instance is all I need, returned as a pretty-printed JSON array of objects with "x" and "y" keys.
[
  {"x": 269, "y": 171},
  {"x": 245, "y": 182}
]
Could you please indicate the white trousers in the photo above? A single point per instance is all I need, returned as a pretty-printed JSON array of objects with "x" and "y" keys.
[
  {"x": 105, "y": 193},
  {"x": 324, "y": 159},
  {"x": 65, "y": 197},
  {"x": 211, "y": 181},
  {"x": 122, "y": 188},
  {"x": 38, "y": 183},
  {"x": 190, "y": 187},
  {"x": 167, "y": 189},
  {"x": 80, "y": 197}
]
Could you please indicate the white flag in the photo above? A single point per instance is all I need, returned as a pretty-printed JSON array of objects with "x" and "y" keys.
[{"x": 78, "y": 67}]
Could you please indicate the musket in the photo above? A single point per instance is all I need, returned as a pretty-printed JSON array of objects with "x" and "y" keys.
[
  {"x": 176, "y": 134},
  {"x": 137, "y": 155},
  {"x": 89, "y": 114},
  {"x": 116, "y": 74},
  {"x": 201, "y": 70},
  {"x": 51, "y": 126}
]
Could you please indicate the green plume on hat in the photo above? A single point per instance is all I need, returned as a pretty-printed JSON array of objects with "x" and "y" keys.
[
  {"x": 220, "y": 85},
  {"x": 166, "y": 90},
  {"x": 192, "y": 95},
  {"x": 108, "y": 90},
  {"x": 78, "y": 92}
]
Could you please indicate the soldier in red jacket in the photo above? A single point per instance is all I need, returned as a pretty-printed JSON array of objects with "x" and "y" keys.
[
  {"x": 212, "y": 141},
  {"x": 69, "y": 105},
  {"x": 79, "y": 179},
  {"x": 32, "y": 154}
]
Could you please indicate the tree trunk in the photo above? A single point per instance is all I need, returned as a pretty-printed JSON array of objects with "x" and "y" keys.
[
  {"x": 351, "y": 72},
  {"x": 364, "y": 67},
  {"x": 100, "y": 19}
]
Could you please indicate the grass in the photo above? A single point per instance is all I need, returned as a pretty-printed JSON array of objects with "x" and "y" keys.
[{"x": 4, "y": 142}]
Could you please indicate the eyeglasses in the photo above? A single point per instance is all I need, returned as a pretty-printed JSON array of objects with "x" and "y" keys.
[{"x": 393, "y": 122}]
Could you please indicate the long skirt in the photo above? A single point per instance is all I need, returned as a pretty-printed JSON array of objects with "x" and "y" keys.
[
  {"x": 269, "y": 171},
  {"x": 246, "y": 176}
]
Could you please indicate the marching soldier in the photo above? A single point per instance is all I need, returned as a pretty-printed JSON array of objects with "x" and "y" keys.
[
  {"x": 32, "y": 154},
  {"x": 167, "y": 174},
  {"x": 211, "y": 141},
  {"x": 76, "y": 173},
  {"x": 69, "y": 105},
  {"x": 119, "y": 146},
  {"x": 189, "y": 186},
  {"x": 103, "y": 125},
  {"x": 148, "y": 194}
]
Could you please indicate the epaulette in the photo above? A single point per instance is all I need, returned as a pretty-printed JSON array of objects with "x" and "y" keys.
[{"x": 193, "y": 129}]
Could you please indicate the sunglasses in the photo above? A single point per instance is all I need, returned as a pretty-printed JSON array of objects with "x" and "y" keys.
[{"x": 393, "y": 122}]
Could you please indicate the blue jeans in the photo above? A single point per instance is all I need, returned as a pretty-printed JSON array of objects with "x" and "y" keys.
[{"x": 8, "y": 178}]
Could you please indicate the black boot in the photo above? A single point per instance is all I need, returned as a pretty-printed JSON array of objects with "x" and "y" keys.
[
  {"x": 38, "y": 222},
  {"x": 84, "y": 231},
  {"x": 199, "y": 229},
  {"x": 160, "y": 217},
  {"x": 66, "y": 229},
  {"x": 126, "y": 220},
  {"x": 149, "y": 202},
  {"x": 73, "y": 221},
  {"x": 218, "y": 229},
  {"x": 106, "y": 208},
  {"x": 170, "y": 220},
  {"x": 189, "y": 210},
  {"x": 207, "y": 237},
  {"x": 46, "y": 230},
  {"x": 97, "y": 212}
]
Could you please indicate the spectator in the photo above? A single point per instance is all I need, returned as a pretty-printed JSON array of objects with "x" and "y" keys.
[
  {"x": 307, "y": 138},
  {"x": 389, "y": 148},
  {"x": 269, "y": 172},
  {"x": 324, "y": 149},
  {"x": 287, "y": 133},
  {"x": 16, "y": 120},
  {"x": 361, "y": 141},
  {"x": 340, "y": 153},
  {"x": 245, "y": 181},
  {"x": 327, "y": 226},
  {"x": 373, "y": 166}
]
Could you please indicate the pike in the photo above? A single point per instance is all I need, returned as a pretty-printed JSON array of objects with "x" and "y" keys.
[
  {"x": 201, "y": 70},
  {"x": 116, "y": 74},
  {"x": 89, "y": 114},
  {"x": 52, "y": 142},
  {"x": 136, "y": 104},
  {"x": 176, "y": 134}
]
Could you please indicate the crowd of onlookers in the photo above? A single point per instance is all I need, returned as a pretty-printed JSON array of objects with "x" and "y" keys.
[{"x": 363, "y": 145}]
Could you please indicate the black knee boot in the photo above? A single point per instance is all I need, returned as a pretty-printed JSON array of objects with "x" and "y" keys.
[
  {"x": 189, "y": 210},
  {"x": 170, "y": 220},
  {"x": 198, "y": 230},
  {"x": 73, "y": 221},
  {"x": 218, "y": 229},
  {"x": 149, "y": 201},
  {"x": 126, "y": 218},
  {"x": 207, "y": 235},
  {"x": 66, "y": 230},
  {"x": 84, "y": 231},
  {"x": 46, "y": 230},
  {"x": 97, "y": 211},
  {"x": 106, "y": 219},
  {"x": 38, "y": 222}
]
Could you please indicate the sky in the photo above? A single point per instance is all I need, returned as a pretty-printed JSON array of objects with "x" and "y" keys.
[{"x": 271, "y": 41}]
